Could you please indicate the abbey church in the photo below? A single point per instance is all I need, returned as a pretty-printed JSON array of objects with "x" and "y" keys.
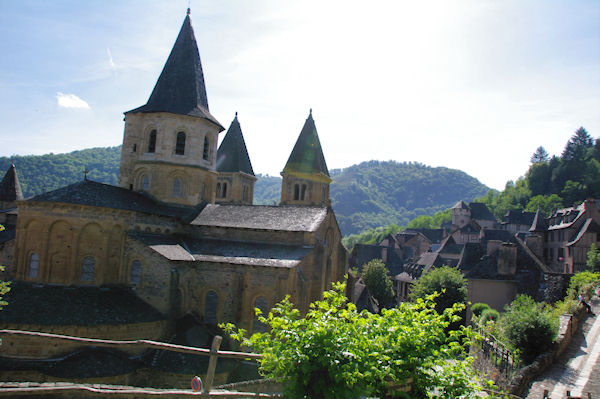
[{"x": 177, "y": 239}]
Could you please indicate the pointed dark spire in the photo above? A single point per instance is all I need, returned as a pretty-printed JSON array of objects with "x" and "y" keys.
[
  {"x": 10, "y": 189},
  {"x": 307, "y": 157},
  {"x": 539, "y": 223},
  {"x": 180, "y": 89},
  {"x": 232, "y": 155}
]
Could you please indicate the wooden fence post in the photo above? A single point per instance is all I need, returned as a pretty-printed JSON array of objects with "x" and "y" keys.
[{"x": 212, "y": 363}]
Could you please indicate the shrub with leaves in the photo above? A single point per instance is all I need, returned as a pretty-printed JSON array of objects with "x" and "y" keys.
[
  {"x": 478, "y": 308},
  {"x": 375, "y": 276},
  {"x": 582, "y": 283},
  {"x": 528, "y": 327},
  {"x": 489, "y": 315},
  {"x": 337, "y": 352},
  {"x": 447, "y": 281}
]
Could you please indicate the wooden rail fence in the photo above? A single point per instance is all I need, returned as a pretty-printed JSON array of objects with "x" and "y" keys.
[{"x": 214, "y": 353}]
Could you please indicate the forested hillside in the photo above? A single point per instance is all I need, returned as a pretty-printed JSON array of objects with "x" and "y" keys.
[
  {"x": 41, "y": 173},
  {"x": 550, "y": 182},
  {"x": 364, "y": 196}
]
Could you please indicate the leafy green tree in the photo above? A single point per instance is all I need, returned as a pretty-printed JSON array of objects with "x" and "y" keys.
[
  {"x": 593, "y": 259},
  {"x": 538, "y": 178},
  {"x": 375, "y": 276},
  {"x": 540, "y": 155},
  {"x": 545, "y": 203},
  {"x": 527, "y": 327},
  {"x": 336, "y": 352},
  {"x": 582, "y": 283},
  {"x": 4, "y": 285},
  {"x": 577, "y": 146},
  {"x": 447, "y": 281}
]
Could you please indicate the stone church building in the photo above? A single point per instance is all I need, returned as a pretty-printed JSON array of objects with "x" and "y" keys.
[{"x": 177, "y": 238}]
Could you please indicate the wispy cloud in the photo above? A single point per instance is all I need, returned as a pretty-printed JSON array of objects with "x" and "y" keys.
[
  {"x": 71, "y": 101},
  {"x": 111, "y": 63}
]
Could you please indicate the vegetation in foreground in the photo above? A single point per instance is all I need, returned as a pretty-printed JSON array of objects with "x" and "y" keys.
[{"x": 337, "y": 352}]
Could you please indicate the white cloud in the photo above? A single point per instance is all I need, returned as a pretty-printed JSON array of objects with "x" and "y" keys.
[
  {"x": 71, "y": 101},
  {"x": 111, "y": 63}
]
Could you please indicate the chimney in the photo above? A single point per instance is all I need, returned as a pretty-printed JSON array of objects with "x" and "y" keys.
[{"x": 507, "y": 259}]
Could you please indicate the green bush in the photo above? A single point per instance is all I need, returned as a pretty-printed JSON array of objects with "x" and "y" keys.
[
  {"x": 478, "y": 308},
  {"x": 337, "y": 352},
  {"x": 447, "y": 281},
  {"x": 489, "y": 315},
  {"x": 583, "y": 282},
  {"x": 528, "y": 327},
  {"x": 375, "y": 276}
]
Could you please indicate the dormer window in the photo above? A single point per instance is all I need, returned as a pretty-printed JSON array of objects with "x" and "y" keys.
[
  {"x": 180, "y": 144},
  {"x": 152, "y": 141},
  {"x": 205, "y": 149}
]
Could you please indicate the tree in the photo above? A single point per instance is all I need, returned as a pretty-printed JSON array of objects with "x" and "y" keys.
[
  {"x": 544, "y": 203},
  {"x": 540, "y": 155},
  {"x": 4, "y": 285},
  {"x": 336, "y": 352},
  {"x": 593, "y": 259},
  {"x": 577, "y": 146},
  {"x": 527, "y": 327},
  {"x": 447, "y": 281},
  {"x": 375, "y": 276}
]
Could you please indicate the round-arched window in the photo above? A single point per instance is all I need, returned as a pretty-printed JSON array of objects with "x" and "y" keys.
[
  {"x": 87, "y": 268},
  {"x": 135, "y": 276}
]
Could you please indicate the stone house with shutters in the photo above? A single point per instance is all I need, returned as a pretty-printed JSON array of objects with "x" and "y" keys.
[{"x": 178, "y": 242}]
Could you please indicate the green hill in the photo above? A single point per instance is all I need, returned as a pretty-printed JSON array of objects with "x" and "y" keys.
[
  {"x": 364, "y": 196},
  {"x": 41, "y": 173},
  {"x": 375, "y": 193}
]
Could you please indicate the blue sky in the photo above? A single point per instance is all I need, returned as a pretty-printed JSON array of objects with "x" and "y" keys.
[{"x": 475, "y": 85}]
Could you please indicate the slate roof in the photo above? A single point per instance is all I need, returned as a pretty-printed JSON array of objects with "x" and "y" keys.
[
  {"x": 224, "y": 251},
  {"x": 460, "y": 205},
  {"x": 433, "y": 235},
  {"x": 307, "y": 160},
  {"x": 60, "y": 305},
  {"x": 10, "y": 189},
  {"x": 538, "y": 223},
  {"x": 496, "y": 234},
  {"x": 262, "y": 217},
  {"x": 232, "y": 155},
  {"x": 589, "y": 226},
  {"x": 180, "y": 89},
  {"x": 518, "y": 217},
  {"x": 92, "y": 193},
  {"x": 480, "y": 211}
]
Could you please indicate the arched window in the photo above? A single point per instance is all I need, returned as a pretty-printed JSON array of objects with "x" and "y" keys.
[
  {"x": 219, "y": 190},
  {"x": 224, "y": 194},
  {"x": 177, "y": 187},
  {"x": 210, "y": 307},
  {"x": 145, "y": 183},
  {"x": 245, "y": 193},
  {"x": 34, "y": 264},
  {"x": 180, "y": 144},
  {"x": 303, "y": 194},
  {"x": 135, "y": 276},
  {"x": 152, "y": 141},
  {"x": 260, "y": 303},
  {"x": 205, "y": 149},
  {"x": 296, "y": 192},
  {"x": 87, "y": 268}
]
